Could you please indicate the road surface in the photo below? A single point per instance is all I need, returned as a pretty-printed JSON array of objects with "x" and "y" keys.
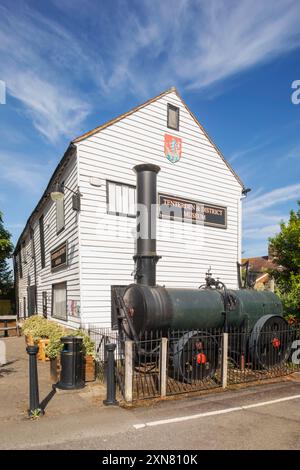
[{"x": 264, "y": 417}]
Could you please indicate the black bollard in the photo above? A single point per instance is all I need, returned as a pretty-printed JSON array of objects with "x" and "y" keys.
[
  {"x": 110, "y": 376},
  {"x": 34, "y": 401}
]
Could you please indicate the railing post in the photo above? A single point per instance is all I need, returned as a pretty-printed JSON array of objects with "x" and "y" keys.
[
  {"x": 128, "y": 370},
  {"x": 224, "y": 359},
  {"x": 163, "y": 366},
  {"x": 34, "y": 400},
  {"x": 110, "y": 376}
]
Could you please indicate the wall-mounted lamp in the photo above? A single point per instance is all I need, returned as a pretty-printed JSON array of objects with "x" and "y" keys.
[
  {"x": 246, "y": 191},
  {"x": 58, "y": 194}
]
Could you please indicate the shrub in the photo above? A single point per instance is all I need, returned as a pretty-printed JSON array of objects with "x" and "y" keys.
[
  {"x": 55, "y": 333},
  {"x": 35, "y": 326},
  {"x": 291, "y": 319},
  {"x": 39, "y": 327}
]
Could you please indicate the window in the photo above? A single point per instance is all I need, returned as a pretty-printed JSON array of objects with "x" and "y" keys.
[
  {"x": 60, "y": 216},
  {"x": 42, "y": 241},
  {"x": 32, "y": 242},
  {"x": 24, "y": 307},
  {"x": 20, "y": 264},
  {"x": 23, "y": 253},
  {"x": 173, "y": 117},
  {"x": 31, "y": 299},
  {"x": 59, "y": 301},
  {"x": 44, "y": 299},
  {"x": 121, "y": 199}
]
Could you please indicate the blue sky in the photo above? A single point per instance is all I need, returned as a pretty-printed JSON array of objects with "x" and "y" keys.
[{"x": 70, "y": 65}]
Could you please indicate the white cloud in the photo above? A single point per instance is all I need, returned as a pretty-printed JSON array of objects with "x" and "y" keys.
[
  {"x": 262, "y": 215},
  {"x": 17, "y": 170},
  {"x": 264, "y": 232},
  {"x": 236, "y": 35},
  {"x": 61, "y": 69},
  {"x": 54, "y": 111},
  {"x": 199, "y": 43},
  {"x": 31, "y": 64},
  {"x": 254, "y": 148},
  {"x": 272, "y": 198}
]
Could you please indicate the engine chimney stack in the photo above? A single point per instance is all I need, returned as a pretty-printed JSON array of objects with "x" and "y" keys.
[{"x": 146, "y": 257}]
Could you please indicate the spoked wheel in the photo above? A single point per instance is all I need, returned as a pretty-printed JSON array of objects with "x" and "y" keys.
[
  {"x": 269, "y": 342},
  {"x": 195, "y": 357},
  {"x": 236, "y": 359}
]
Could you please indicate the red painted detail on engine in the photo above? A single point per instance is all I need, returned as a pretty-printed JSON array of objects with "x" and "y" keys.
[
  {"x": 131, "y": 311},
  {"x": 276, "y": 342},
  {"x": 201, "y": 358}
]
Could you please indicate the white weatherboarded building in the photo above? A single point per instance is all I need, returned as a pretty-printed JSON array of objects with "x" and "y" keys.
[{"x": 69, "y": 254}]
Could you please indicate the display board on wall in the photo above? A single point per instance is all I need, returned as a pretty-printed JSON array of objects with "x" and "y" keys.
[
  {"x": 185, "y": 210},
  {"x": 59, "y": 256}
]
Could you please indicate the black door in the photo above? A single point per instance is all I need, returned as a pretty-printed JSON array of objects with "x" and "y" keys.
[
  {"x": 24, "y": 307},
  {"x": 31, "y": 300},
  {"x": 45, "y": 312}
]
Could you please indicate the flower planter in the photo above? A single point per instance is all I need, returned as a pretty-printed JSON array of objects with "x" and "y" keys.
[
  {"x": 42, "y": 343},
  {"x": 29, "y": 340},
  {"x": 55, "y": 369},
  {"x": 89, "y": 369}
]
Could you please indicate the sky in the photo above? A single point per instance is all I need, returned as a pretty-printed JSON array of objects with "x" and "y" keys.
[{"x": 71, "y": 65}]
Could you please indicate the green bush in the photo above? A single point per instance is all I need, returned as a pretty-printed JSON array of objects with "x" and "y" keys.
[
  {"x": 39, "y": 327},
  {"x": 35, "y": 326},
  {"x": 55, "y": 333}
]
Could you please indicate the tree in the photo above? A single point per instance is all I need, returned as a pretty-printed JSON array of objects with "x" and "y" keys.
[
  {"x": 286, "y": 248},
  {"x": 6, "y": 249}
]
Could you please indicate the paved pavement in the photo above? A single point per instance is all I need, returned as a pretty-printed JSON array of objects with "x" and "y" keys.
[
  {"x": 223, "y": 421},
  {"x": 14, "y": 387}
]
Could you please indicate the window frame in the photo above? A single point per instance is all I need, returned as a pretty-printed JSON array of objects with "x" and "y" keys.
[
  {"x": 24, "y": 307},
  {"x": 45, "y": 303},
  {"x": 52, "y": 301},
  {"x": 20, "y": 261},
  {"x": 173, "y": 108},
  {"x": 32, "y": 246},
  {"x": 42, "y": 242},
  {"x": 23, "y": 252},
  {"x": 62, "y": 201},
  {"x": 118, "y": 183}
]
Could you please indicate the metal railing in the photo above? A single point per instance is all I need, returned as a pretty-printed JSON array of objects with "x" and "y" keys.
[
  {"x": 146, "y": 366},
  {"x": 262, "y": 354},
  {"x": 101, "y": 337},
  {"x": 194, "y": 360},
  {"x": 197, "y": 360}
]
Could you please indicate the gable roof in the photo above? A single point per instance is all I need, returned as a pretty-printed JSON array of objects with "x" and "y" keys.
[
  {"x": 72, "y": 149},
  {"x": 143, "y": 105},
  {"x": 69, "y": 153}
]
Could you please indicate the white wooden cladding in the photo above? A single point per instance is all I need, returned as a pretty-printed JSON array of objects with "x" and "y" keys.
[
  {"x": 101, "y": 244},
  {"x": 45, "y": 278},
  {"x": 107, "y": 241}
]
